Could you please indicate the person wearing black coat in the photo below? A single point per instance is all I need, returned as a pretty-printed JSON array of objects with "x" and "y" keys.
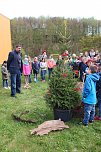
[
  {"x": 82, "y": 68},
  {"x": 98, "y": 93},
  {"x": 14, "y": 67}
]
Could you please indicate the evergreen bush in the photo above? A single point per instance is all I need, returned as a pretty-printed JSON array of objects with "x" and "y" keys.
[{"x": 63, "y": 92}]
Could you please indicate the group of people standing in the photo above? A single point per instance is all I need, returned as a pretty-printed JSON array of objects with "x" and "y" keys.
[
  {"x": 17, "y": 66},
  {"x": 85, "y": 66},
  {"x": 36, "y": 66}
]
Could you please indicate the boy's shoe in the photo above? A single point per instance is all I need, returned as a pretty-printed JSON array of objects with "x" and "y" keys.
[
  {"x": 97, "y": 118},
  {"x": 91, "y": 121},
  {"x": 86, "y": 125},
  {"x": 81, "y": 123}
]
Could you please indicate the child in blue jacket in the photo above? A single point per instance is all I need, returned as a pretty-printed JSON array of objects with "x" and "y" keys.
[{"x": 89, "y": 95}]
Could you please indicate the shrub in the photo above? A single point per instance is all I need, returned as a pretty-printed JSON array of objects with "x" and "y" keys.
[{"x": 63, "y": 92}]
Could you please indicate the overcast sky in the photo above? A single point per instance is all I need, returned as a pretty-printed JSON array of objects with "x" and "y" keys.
[{"x": 52, "y": 8}]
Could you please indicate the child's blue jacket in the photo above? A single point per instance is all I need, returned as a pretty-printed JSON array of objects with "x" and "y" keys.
[{"x": 89, "y": 90}]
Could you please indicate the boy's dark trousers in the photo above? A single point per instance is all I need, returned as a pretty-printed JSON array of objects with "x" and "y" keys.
[{"x": 89, "y": 113}]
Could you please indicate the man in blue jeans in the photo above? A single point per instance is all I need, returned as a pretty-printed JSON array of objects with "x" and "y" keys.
[
  {"x": 89, "y": 95},
  {"x": 14, "y": 67}
]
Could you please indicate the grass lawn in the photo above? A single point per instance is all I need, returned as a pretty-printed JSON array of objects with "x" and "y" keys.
[{"x": 15, "y": 136}]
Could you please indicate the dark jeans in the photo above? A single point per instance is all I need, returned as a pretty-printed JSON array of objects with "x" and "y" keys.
[
  {"x": 50, "y": 72},
  {"x": 99, "y": 106},
  {"x": 35, "y": 76},
  {"x": 43, "y": 73},
  {"x": 15, "y": 83},
  {"x": 5, "y": 83},
  {"x": 89, "y": 113}
]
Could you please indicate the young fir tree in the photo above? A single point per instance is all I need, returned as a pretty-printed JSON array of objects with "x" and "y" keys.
[{"x": 63, "y": 92}]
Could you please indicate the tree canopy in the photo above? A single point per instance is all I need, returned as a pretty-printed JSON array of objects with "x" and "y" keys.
[{"x": 55, "y": 33}]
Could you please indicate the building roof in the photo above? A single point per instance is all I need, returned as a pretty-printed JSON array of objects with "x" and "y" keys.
[{"x": 4, "y": 16}]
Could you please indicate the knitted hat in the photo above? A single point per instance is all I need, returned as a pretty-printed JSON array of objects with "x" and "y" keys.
[{"x": 26, "y": 61}]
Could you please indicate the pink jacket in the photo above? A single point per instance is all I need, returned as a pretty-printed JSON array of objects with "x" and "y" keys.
[
  {"x": 26, "y": 69},
  {"x": 51, "y": 63}
]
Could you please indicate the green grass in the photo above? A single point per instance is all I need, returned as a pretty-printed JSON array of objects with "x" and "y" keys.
[{"x": 15, "y": 136}]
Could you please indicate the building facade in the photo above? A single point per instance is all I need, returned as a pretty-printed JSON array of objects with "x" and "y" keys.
[{"x": 5, "y": 38}]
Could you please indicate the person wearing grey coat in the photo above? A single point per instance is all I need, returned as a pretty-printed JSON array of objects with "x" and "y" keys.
[{"x": 4, "y": 72}]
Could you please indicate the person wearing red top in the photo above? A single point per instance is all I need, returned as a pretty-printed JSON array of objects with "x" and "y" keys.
[{"x": 65, "y": 54}]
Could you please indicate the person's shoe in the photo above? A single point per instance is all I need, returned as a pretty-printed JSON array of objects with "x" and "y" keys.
[
  {"x": 19, "y": 92},
  {"x": 91, "y": 121},
  {"x": 28, "y": 86},
  {"x": 81, "y": 123},
  {"x": 43, "y": 80},
  {"x": 97, "y": 118},
  {"x": 86, "y": 125},
  {"x": 25, "y": 86},
  {"x": 13, "y": 96},
  {"x": 34, "y": 79},
  {"x": 6, "y": 87}
]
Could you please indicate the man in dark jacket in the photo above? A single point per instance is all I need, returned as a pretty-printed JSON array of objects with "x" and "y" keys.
[{"x": 14, "y": 67}]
